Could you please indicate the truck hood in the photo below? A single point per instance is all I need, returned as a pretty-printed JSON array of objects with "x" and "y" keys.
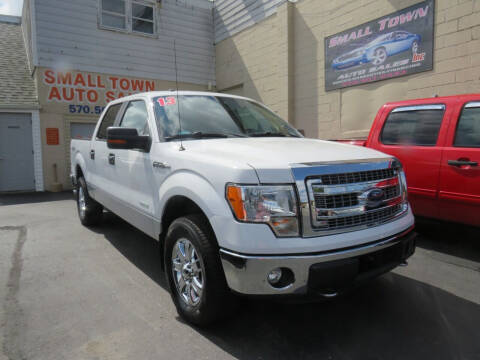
[{"x": 273, "y": 158}]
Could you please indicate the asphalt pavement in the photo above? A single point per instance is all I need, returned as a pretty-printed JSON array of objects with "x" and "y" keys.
[{"x": 70, "y": 292}]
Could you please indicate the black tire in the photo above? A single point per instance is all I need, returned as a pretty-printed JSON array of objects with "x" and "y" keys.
[
  {"x": 92, "y": 211},
  {"x": 414, "y": 48},
  {"x": 216, "y": 300}
]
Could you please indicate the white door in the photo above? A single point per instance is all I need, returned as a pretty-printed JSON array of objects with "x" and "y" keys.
[
  {"x": 99, "y": 171},
  {"x": 132, "y": 173},
  {"x": 16, "y": 152}
]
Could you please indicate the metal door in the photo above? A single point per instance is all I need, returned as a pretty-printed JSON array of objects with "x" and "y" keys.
[
  {"x": 16, "y": 152},
  {"x": 459, "y": 193}
]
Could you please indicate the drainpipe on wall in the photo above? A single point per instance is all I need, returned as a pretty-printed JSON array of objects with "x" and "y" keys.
[
  {"x": 286, "y": 68},
  {"x": 56, "y": 186}
]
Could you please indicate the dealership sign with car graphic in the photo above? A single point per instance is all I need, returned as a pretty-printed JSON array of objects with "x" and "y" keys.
[{"x": 391, "y": 46}]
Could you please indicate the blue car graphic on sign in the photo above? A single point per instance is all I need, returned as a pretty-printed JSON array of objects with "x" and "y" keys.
[{"x": 378, "y": 50}]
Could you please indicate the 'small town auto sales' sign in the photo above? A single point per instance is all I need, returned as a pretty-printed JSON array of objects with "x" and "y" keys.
[
  {"x": 85, "y": 92},
  {"x": 391, "y": 46}
]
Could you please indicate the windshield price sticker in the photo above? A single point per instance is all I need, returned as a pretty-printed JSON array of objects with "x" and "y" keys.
[{"x": 166, "y": 101}]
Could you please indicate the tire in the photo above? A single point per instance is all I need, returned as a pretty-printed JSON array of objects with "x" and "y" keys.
[
  {"x": 196, "y": 280},
  {"x": 89, "y": 211},
  {"x": 414, "y": 47},
  {"x": 379, "y": 56}
]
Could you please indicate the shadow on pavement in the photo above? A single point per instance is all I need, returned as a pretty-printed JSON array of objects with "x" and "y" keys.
[
  {"x": 140, "y": 249},
  {"x": 449, "y": 238},
  {"x": 33, "y": 197},
  {"x": 393, "y": 317}
]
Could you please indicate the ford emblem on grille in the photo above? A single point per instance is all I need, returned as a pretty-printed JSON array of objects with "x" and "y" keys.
[{"x": 374, "y": 197}]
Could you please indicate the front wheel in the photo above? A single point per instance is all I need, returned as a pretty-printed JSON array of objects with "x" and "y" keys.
[{"x": 194, "y": 272}]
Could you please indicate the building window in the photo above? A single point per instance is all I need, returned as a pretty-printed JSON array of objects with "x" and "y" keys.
[
  {"x": 142, "y": 18},
  {"x": 128, "y": 15},
  {"x": 114, "y": 14}
]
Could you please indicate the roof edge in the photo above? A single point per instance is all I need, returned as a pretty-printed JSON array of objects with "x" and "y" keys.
[
  {"x": 19, "y": 107},
  {"x": 9, "y": 19}
]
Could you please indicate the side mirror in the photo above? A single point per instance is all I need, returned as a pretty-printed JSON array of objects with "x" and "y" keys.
[{"x": 127, "y": 138}]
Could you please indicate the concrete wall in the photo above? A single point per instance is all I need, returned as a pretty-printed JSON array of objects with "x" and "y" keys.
[
  {"x": 233, "y": 16},
  {"x": 280, "y": 62}
]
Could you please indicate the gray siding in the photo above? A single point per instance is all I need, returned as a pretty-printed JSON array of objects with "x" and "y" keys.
[
  {"x": 27, "y": 32},
  {"x": 233, "y": 16},
  {"x": 68, "y": 35}
]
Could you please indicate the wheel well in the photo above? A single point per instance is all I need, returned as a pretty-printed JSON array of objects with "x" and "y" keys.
[
  {"x": 176, "y": 207},
  {"x": 78, "y": 172}
]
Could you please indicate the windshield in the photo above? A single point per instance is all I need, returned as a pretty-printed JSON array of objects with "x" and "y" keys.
[
  {"x": 380, "y": 39},
  {"x": 216, "y": 116}
]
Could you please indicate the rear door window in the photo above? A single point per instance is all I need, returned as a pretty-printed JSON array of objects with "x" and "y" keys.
[
  {"x": 108, "y": 120},
  {"x": 417, "y": 125},
  {"x": 468, "y": 127}
]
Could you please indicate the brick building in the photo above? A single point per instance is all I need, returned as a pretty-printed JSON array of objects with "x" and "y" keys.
[{"x": 274, "y": 51}]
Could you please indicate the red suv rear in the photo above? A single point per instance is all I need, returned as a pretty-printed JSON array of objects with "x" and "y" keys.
[{"x": 438, "y": 142}]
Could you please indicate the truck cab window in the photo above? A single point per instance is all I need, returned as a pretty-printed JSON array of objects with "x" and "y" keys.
[
  {"x": 468, "y": 128},
  {"x": 136, "y": 116},
  {"x": 417, "y": 127},
  {"x": 108, "y": 120}
]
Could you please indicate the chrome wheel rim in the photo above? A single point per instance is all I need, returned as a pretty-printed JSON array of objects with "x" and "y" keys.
[
  {"x": 188, "y": 272},
  {"x": 379, "y": 56},
  {"x": 82, "y": 206},
  {"x": 414, "y": 47}
]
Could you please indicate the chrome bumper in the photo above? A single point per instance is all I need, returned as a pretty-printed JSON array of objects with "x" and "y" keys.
[{"x": 247, "y": 274}]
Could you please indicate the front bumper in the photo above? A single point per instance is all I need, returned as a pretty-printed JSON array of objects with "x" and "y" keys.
[{"x": 324, "y": 273}]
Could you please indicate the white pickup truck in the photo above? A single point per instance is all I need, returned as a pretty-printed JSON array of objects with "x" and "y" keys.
[{"x": 240, "y": 201}]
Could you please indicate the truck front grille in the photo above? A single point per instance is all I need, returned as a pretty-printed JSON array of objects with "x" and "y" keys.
[
  {"x": 342, "y": 201},
  {"x": 335, "y": 201},
  {"x": 369, "y": 218},
  {"x": 349, "y": 199},
  {"x": 357, "y": 177}
]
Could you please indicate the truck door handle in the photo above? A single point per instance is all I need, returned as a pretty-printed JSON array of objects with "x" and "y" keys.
[
  {"x": 160, "y": 165},
  {"x": 459, "y": 163},
  {"x": 111, "y": 159},
  {"x": 92, "y": 154}
]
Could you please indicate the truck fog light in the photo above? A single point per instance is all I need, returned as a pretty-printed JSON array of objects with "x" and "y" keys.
[{"x": 274, "y": 276}]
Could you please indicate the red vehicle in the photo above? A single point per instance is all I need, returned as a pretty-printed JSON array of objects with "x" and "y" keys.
[{"x": 438, "y": 142}]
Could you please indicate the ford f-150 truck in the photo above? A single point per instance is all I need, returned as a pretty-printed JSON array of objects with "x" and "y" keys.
[
  {"x": 240, "y": 201},
  {"x": 438, "y": 142}
]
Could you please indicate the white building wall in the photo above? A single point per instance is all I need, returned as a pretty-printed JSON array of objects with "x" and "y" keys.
[
  {"x": 68, "y": 36},
  {"x": 233, "y": 16}
]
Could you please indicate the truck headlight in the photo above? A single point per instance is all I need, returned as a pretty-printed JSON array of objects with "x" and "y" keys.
[
  {"x": 268, "y": 204},
  {"x": 397, "y": 165}
]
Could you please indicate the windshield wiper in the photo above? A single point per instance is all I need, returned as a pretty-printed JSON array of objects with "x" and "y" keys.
[
  {"x": 201, "y": 135},
  {"x": 269, "y": 133}
]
